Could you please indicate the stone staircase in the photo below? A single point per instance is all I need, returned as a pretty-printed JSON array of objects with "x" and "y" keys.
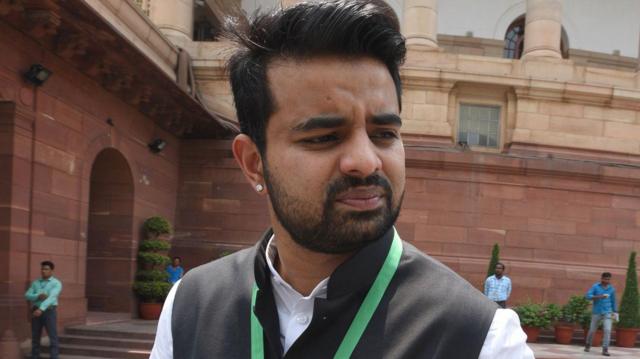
[{"x": 125, "y": 340}]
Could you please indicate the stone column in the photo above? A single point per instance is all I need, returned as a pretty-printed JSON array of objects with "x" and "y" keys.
[
  {"x": 421, "y": 23},
  {"x": 173, "y": 17},
  {"x": 543, "y": 29}
]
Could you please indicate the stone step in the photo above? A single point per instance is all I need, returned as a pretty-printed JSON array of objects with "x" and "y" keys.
[
  {"x": 90, "y": 351},
  {"x": 83, "y": 331},
  {"x": 106, "y": 341}
]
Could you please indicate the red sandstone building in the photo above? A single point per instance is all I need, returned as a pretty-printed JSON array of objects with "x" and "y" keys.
[{"x": 522, "y": 141}]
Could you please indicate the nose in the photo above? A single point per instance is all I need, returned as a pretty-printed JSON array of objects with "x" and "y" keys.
[{"x": 360, "y": 157}]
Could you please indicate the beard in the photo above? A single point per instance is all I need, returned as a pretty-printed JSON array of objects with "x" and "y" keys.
[{"x": 333, "y": 231}]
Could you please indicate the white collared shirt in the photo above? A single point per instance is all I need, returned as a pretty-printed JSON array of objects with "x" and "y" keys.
[{"x": 505, "y": 339}]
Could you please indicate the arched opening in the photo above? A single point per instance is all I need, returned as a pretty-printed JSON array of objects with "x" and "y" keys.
[
  {"x": 110, "y": 241},
  {"x": 514, "y": 40}
]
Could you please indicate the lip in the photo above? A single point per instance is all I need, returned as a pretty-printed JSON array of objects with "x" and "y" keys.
[{"x": 362, "y": 198}]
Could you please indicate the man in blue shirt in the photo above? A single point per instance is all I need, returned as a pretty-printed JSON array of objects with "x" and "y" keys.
[
  {"x": 174, "y": 270},
  {"x": 603, "y": 296},
  {"x": 43, "y": 295},
  {"x": 498, "y": 286}
]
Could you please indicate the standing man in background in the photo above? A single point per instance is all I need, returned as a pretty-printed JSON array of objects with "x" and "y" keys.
[
  {"x": 603, "y": 296},
  {"x": 175, "y": 270},
  {"x": 43, "y": 295},
  {"x": 498, "y": 286}
]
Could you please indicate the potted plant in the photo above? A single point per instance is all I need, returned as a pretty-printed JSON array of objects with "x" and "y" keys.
[
  {"x": 628, "y": 326},
  {"x": 533, "y": 318},
  {"x": 155, "y": 227},
  {"x": 569, "y": 316},
  {"x": 151, "y": 284}
]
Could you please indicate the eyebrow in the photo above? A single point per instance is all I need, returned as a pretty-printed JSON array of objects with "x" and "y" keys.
[
  {"x": 315, "y": 123},
  {"x": 386, "y": 119}
]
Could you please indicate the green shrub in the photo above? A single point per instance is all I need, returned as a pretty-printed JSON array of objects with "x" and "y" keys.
[
  {"x": 153, "y": 258},
  {"x": 495, "y": 258},
  {"x": 157, "y": 225},
  {"x": 572, "y": 311},
  {"x": 152, "y": 276},
  {"x": 630, "y": 304},
  {"x": 533, "y": 315},
  {"x": 152, "y": 291},
  {"x": 150, "y": 245}
]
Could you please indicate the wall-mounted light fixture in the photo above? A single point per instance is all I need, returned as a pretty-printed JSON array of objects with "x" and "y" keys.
[
  {"x": 157, "y": 145},
  {"x": 37, "y": 74}
]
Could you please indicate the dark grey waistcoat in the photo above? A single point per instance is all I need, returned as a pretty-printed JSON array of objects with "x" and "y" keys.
[{"x": 428, "y": 311}]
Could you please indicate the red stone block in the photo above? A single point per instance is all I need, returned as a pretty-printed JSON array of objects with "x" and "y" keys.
[
  {"x": 430, "y": 248},
  {"x": 510, "y": 253},
  {"x": 533, "y": 193},
  {"x": 628, "y": 233},
  {"x": 444, "y": 234},
  {"x": 466, "y": 250},
  {"x": 607, "y": 230},
  {"x": 458, "y": 219},
  {"x": 626, "y": 202},
  {"x": 406, "y": 230},
  {"x": 559, "y": 256},
  {"x": 486, "y": 236},
  {"x": 527, "y": 208},
  {"x": 578, "y": 244},
  {"x": 502, "y": 222},
  {"x": 551, "y": 226},
  {"x": 621, "y": 217},
  {"x": 571, "y": 212},
  {"x": 68, "y": 115},
  {"x": 603, "y": 200},
  {"x": 502, "y": 191},
  {"x": 524, "y": 239}
]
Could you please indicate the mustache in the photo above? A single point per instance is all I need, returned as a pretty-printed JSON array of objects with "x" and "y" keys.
[{"x": 345, "y": 183}]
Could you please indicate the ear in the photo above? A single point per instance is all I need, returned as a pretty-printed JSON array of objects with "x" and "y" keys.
[{"x": 249, "y": 159}]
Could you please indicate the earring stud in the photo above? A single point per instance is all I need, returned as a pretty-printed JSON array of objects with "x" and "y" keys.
[{"x": 259, "y": 187}]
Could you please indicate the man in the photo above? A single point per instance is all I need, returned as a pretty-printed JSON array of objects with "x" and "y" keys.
[
  {"x": 498, "y": 286},
  {"x": 317, "y": 93},
  {"x": 174, "y": 270},
  {"x": 604, "y": 309},
  {"x": 43, "y": 295}
]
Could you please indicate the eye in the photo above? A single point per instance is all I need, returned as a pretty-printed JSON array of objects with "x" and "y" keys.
[
  {"x": 321, "y": 139},
  {"x": 385, "y": 135}
]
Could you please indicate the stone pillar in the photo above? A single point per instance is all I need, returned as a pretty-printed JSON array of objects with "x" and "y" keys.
[
  {"x": 421, "y": 23},
  {"x": 543, "y": 29},
  {"x": 173, "y": 17}
]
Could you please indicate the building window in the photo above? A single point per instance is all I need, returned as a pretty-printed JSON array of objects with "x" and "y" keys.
[
  {"x": 514, "y": 39},
  {"x": 479, "y": 125}
]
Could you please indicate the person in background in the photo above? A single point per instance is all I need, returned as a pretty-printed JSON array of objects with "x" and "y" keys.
[
  {"x": 603, "y": 296},
  {"x": 175, "y": 270},
  {"x": 498, "y": 286},
  {"x": 43, "y": 296}
]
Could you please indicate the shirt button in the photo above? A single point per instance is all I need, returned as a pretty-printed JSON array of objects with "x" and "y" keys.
[{"x": 302, "y": 319}]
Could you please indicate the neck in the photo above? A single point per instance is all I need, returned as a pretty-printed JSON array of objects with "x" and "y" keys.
[
  {"x": 498, "y": 276},
  {"x": 302, "y": 268}
]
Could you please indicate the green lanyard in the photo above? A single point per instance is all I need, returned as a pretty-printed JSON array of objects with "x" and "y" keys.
[{"x": 360, "y": 322}]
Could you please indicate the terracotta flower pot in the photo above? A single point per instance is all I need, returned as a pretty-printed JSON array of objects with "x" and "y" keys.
[
  {"x": 150, "y": 311},
  {"x": 564, "y": 333},
  {"x": 626, "y": 337},
  {"x": 532, "y": 334}
]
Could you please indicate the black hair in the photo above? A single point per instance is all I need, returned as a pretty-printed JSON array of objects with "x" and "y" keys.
[
  {"x": 501, "y": 264},
  {"x": 606, "y": 275},
  {"x": 48, "y": 263},
  {"x": 347, "y": 28}
]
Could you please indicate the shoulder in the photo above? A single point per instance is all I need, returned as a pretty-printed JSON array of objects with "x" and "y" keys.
[
  {"x": 57, "y": 281},
  {"x": 222, "y": 273},
  {"x": 438, "y": 282}
]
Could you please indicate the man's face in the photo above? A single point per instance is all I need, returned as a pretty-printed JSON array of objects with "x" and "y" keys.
[
  {"x": 499, "y": 270},
  {"x": 605, "y": 281},
  {"x": 334, "y": 163},
  {"x": 176, "y": 262},
  {"x": 47, "y": 272}
]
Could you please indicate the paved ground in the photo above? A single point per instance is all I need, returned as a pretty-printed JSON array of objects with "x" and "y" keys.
[{"x": 557, "y": 351}]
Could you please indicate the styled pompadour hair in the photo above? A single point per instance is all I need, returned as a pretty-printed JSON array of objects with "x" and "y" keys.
[{"x": 348, "y": 28}]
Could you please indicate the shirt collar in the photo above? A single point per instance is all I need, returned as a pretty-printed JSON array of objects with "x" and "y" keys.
[
  {"x": 283, "y": 289},
  {"x": 355, "y": 274}
]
